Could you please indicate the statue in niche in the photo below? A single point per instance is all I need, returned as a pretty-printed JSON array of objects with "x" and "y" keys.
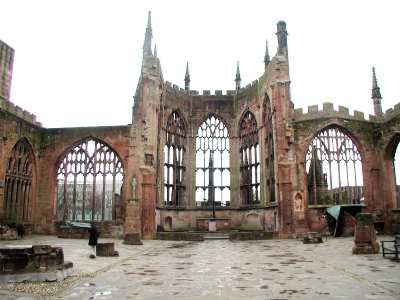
[{"x": 298, "y": 202}]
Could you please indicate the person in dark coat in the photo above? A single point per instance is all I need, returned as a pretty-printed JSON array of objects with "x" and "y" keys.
[
  {"x": 20, "y": 230},
  {"x": 93, "y": 236}
]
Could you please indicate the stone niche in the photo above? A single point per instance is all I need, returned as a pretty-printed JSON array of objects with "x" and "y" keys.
[{"x": 34, "y": 263}]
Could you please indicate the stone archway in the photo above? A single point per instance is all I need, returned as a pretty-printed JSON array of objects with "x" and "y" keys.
[{"x": 89, "y": 182}]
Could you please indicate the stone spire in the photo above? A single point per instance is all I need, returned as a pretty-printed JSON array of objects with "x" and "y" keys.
[
  {"x": 376, "y": 95},
  {"x": 187, "y": 78},
  {"x": 237, "y": 78},
  {"x": 155, "y": 50},
  {"x": 282, "y": 38},
  {"x": 147, "y": 38},
  {"x": 266, "y": 56}
]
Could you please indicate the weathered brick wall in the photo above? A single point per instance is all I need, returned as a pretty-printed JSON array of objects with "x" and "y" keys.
[{"x": 54, "y": 144}]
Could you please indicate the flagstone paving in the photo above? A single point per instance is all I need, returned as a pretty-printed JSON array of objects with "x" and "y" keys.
[{"x": 218, "y": 269}]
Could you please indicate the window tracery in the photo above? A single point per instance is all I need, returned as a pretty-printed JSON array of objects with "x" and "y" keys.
[
  {"x": 90, "y": 178},
  {"x": 269, "y": 151},
  {"x": 174, "y": 168},
  {"x": 249, "y": 160},
  {"x": 334, "y": 169},
  {"x": 212, "y": 163}
]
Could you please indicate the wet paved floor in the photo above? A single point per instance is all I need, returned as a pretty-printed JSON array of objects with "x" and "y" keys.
[{"x": 220, "y": 269}]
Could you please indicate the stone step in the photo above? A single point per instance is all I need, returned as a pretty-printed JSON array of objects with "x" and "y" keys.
[{"x": 216, "y": 236}]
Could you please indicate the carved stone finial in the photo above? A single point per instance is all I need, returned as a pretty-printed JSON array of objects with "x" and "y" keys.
[
  {"x": 187, "y": 77},
  {"x": 148, "y": 37},
  {"x": 266, "y": 56},
  {"x": 376, "y": 94},
  {"x": 238, "y": 79}
]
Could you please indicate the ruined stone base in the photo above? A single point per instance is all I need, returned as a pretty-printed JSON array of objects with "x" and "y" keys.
[
  {"x": 132, "y": 239},
  {"x": 366, "y": 248},
  {"x": 54, "y": 275},
  {"x": 106, "y": 249}
]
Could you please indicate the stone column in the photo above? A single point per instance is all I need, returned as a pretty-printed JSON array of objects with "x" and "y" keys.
[
  {"x": 148, "y": 205},
  {"x": 234, "y": 161},
  {"x": 190, "y": 173},
  {"x": 364, "y": 237}
]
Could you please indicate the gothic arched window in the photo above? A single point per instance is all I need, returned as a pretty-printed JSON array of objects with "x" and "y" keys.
[
  {"x": 334, "y": 169},
  {"x": 18, "y": 183},
  {"x": 174, "y": 168},
  {"x": 269, "y": 151},
  {"x": 249, "y": 160},
  {"x": 212, "y": 163},
  {"x": 89, "y": 178}
]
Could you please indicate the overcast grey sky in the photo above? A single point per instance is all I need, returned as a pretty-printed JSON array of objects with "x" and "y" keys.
[{"x": 77, "y": 62}]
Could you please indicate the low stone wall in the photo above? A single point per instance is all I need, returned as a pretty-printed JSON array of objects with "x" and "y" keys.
[
  {"x": 262, "y": 218},
  {"x": 179, "y": 236},
  {"x": 250, "y": 235},
  {"x": 72, "y": 233},
  {"x": 222, "y": 224},
  {"x": 105, "y": 229}
]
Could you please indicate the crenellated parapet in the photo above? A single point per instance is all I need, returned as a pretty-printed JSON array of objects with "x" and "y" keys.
[
  {"x": 178, "y": 91},
  {"x": 391, "y": 113},
  {"x": 328, "y": 111},
  {"x": 21, "y": 113}
]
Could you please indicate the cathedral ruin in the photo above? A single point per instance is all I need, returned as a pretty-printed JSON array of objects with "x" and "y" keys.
[{"x": 245, "y": 158}]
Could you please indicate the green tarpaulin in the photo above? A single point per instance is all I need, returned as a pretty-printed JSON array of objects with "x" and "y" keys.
[{"x": 334, "y": 212}]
